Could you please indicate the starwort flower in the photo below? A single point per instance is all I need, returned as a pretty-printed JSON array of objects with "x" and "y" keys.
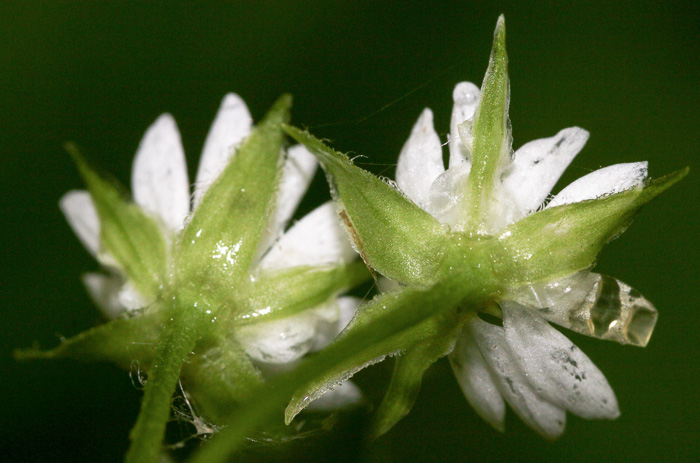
[
  {"x": 479, "y": 240},
  {"x": 215, "y": 280}
]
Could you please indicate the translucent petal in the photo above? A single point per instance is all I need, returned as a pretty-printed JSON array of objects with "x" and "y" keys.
[
  {"x": 537, "y": 412},
  {"x": 232, "y": 124},
  {"x": 104, "y": 292},
  {"x": 420, "y": 161},
  {"x": 348, "y": 307},
  {"x": 159, "y": 176},
  {"x": 279, "y": 341},
  {"x": 466, "y": 98},
  {"x": 448, "y": 195},
  {"x": 317, "y": 239},
  {"x": 595, "y": 305},
  {"x": 536, "y": 168},
  {"x": 556, "y": 368},
  {"x": 327, "y": 316},
  {"x": 297, "y": 173},
  {"x": 80, "y": 212},
  {"x": 475, "y": 380},
  {"x": 605, "y": 181},
  {"x": 344, "y": 395}
]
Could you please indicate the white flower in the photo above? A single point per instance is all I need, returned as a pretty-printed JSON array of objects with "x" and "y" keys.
[
  {"x": 526, "y": 362},
  {"x": 161, "y": 187}
]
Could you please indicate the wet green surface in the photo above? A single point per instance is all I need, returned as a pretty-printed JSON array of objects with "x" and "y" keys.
[{"x": 360, "y": 73}]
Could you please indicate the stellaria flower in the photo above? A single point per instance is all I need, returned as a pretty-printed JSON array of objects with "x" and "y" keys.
[
  {"x": 480, "y": 238},
  {"x": 222, "y": 251}
]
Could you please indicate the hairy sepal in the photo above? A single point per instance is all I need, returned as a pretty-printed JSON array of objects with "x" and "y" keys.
[
  {"x": 131, "y": 237},
  {"x": 562, "y": 240},
  {"x": 220, "y": 241},
  {"x": 392, "y": 234}
]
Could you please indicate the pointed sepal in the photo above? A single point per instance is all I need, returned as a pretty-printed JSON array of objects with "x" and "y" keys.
[{"x": 392, "y": 234}]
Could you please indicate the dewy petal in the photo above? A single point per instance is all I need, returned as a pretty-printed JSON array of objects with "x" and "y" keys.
[
  {"x": 475, "y": 380},
  {"x": 537, "y": 166},
  {"x": 466, "y": 98},
  {"x": 279, "y": 341},
  {"x": 537, "y": 412},
  {"x": 345, "y": 395},
  {"x": 104, "y": 292},
  {"x": 159, "y": 176},
  {"x": 78, "y": 208},
  {"x": 317, "y": 239},
  {"x": 130, "y": 298},
  {"x": 232, "y": 124},
  {"x": 595, "y": 305},
  {"x": 557, "y": 368},
  {"x": 420, "y": 161},
  {"x": 297, "y": 173},
  {"x": 605, "y": 181}
]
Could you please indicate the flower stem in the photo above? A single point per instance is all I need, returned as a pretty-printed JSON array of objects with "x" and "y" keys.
[{"x": 179, "y": 338}]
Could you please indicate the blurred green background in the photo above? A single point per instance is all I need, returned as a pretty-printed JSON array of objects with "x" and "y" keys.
[{"x": 98, "y": 73}]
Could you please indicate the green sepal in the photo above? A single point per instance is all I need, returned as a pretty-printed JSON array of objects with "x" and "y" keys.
[
  {"x": 219, "y": 376},
  {"x": 132, "y": 238},
  {"x": 220, "y": 242},
  {"x": 491, "y": 133},
  {"x": 562, "y": 240},
  {"x": 403, "y": 299},
  {"x": 122, "y": 341},
  {"x": 394, "y": 236},
  {"x": 280, "y": 293},
  {"x": 409, "y": 370}
]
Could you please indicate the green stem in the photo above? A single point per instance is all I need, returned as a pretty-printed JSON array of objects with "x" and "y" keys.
[
  {"x": 402, "y": 310},
  {"x": 178, "y": 340}
]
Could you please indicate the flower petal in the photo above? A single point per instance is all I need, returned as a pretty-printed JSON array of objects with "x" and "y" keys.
[
  {"x": 317, "y": 239},
  {"x": 557, "y": 368},
  {"x": 466, "y": 98},
  {"x": 448, "y": 199},
  {"x": 605, "y": 181},
  {"x": 345, "y": 395},
  {"x": 297, "y": 173},
  {"x": 332, "y": 318},
  {"x": 595, "y": 305},
  {"x": 537, "y": 166},
  {"x": 279, "y": 341},
  {"x": 232, "y": 124},
  {"x": 476, "y": 382},
  {"x": 104, "y": 292},
  {"x": 538, "y": 413},
  {"x": 420, "y": 161},
  {"x": 80, "y": 212},
  {"x": 159, "y": 176}
]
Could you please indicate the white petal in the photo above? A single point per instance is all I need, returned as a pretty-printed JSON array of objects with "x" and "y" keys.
[
  {"x": 447, "y": 195},
  {"x": 537, "y": 412},
  {"x": 475, "y": 380},
  {"x": 537, "y": 166},
  {"x": 420, "y": 161},
  {"x": 130, "y": 298},
  {"x": 348, "y": 308},
  {"x": 279, "y": 341},
  {"x": 466, "y": 97},
  {"x": 327, "y": 316},
  {"x": 605, "y": 181},
  {"x": 345, "y": 395},
  {"x": 104, "y": 292},
  {"x": 80, "y": 212},
  {"x": 297, "y": 173},
  {"x": 557, "y": 368},
  {"x": 159, "y": 176},
  {"x": 317, "y": 239},
  {"x": 232, "y": 124}
]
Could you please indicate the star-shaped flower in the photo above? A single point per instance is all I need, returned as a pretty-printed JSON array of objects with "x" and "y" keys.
[
  {"x": 479, "y": 240},
  {"x": 222, "y": 254}
]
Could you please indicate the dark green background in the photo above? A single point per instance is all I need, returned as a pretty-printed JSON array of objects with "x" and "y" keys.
[{"x": 99, "y": 74}]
